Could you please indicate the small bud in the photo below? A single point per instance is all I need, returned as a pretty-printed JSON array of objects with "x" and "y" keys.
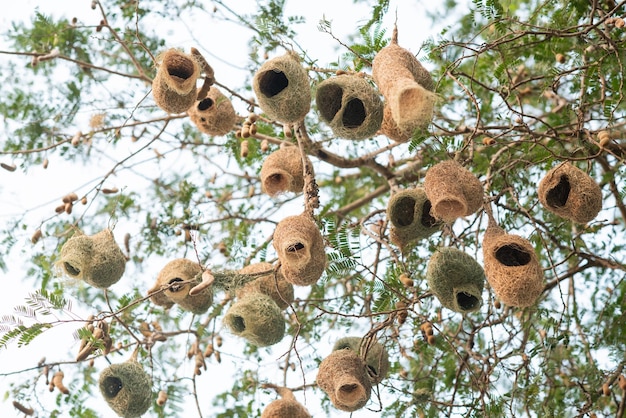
[
  {"x": 84, "y": 200},
  {"x": 76, "y": 138},
  {"x": 619, "y": 22}
]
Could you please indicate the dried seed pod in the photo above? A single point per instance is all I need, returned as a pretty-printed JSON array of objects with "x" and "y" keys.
[
  {"x": 208, "y": 352},
  {"x": 604, "y": 137},
  {"x": 406, "y": 280},
  {"x": 76, "y": 138},
  {"x": 218, "y": 357},
  {"x": 45, "y": 163},
  {"x": 68, "y": 208},
  {"x": 431, "y": 340},
  {"x": 265, "y": 145},
  {"x": 244, "y": 149},
  {"x": 560, "y": 58},
  {"x": 36, "y": 236},
  {"x": 111, "y": 190},
  {"x": 57, "y": 381},
  {"x": 8, "y": 167},
  {"x": 621, "y": 381},
  {"x": 60, "y": 209},
  {"x": 487, "y": 141},
  {"x": 219, "y": 341},
  {"x": 161, "y": 398},
  {"x": 83, "y": 200},
  {"x": 606, "y": 389},
  {"x": 23, "y": 409}
]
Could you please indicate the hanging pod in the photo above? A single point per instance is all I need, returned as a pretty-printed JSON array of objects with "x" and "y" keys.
[
  {"x": 343, "y": 377},
  {"x": 283, "y": 171},
  {"x": 570, "y": 193},
  {"x": 456, "y": 279},
  {"x": 350, "y": 106},
  {"x": 213, "y": 115},
  {"x": 174, "y": 86},
  {"x": 127, "y": 388},
  {"x": 96, "y": 259},
  {"x": 286, "y": 407},
  {"x": 182, "y": 274},
  {"x": 376, "y": 357},
  {"x": 409, "y": 213},
  {"x": 271, "y": 284},
  {"x": 257, "y": 318},
  {"x": 300, "y": 247},
  {"x": 282, "y": 88},
  {"x": 512, "y": 267},
  {"x": 452, "y": 190}
]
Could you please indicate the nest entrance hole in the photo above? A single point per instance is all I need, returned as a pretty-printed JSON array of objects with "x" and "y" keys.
[
  {"x": 205, "y": 104},
  {"x": 180, "y": 67},
  {"x": 403, "y": 211},
  {"x": 294, "y": 248},
  {"x": 329, "y": 101},
  {"x": 466, "y": 301},
  {"x": 71, "y": 270},
  {"x": 428, "y": 220},
  {"x": 176, "y": 286},
  {"x": 238, "y": 323},
  {"x": 112, "y": 385},
  {"x": 512, "y": 255},
  {"x": 272, "y": 82},
  {"x": 349, "y": 390},
  {"x": 355, "y": 114},
  {"x": 558, "y": 195}
]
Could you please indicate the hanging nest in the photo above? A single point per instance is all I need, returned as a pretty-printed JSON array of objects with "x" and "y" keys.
[
  {"x": 300, "y": 247},
  {"x": 408, "y": 90},
  {"x": 273, "y": 285},
  {"x": 283, "y": 171},
  {"x": 282, "y": 88},
  {"x": 174, "y": 86},
  {"x": 376, "y": 357},
  {"x": 286, "y": 407},
  {"x": 350, "y": 106},
  {"x": 343, "y": 377},
  {"x": 570, "y": 193},
  {"x": 512, "y": 267},
  {"x": 96, "y": 259},
  {"x": 127, "y": 388},
  {"x": 409, "y": 214},
  {"x": 188, "y": 274},
  {"x": 257, "y": 318},
  {"x": 456, "y": 279},
  {"x": 213, "y": 115},
  {"x": 453, "y": 191}
]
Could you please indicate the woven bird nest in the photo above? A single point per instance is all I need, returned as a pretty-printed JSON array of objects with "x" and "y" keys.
[
  {"x": 376, "y": 357},
  {"x": 282, "y": 88},
  {"x": 174, "y": 86},
  {"x": 409, "y": 214},
  {"x": 452, "y": 190},
  {"x": 213, "y": 115},
  {"x": 273, "y": 285},
  {"x": 283, "y": 171},
  {"x": 300, "y": 247},
  {"x": 177, "y": 278},
  {"x": 343, "y": 377},
  {"x": 97, "y": 259},
  {"x": 257, "y": 318},
  {"x": 456, "y": 279},
  {"x": 512, "y": 267},
  {"x": 127, "y": 388},
  {"x": 286, "y": 407},
  {"x": 350, "y": 106},
  {"x": 570, "y": 193}
]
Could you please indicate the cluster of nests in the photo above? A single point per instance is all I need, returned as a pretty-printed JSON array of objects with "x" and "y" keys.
[{"x": 352, "y": 108}]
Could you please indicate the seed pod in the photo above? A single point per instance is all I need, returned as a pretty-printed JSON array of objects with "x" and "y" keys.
[
  {"x": 245, "y": 131},
  {"x": 488, "y": 141},
  {"x": 244, "y": 148},
  {"x": 431, "y": 340},
  {"x": 68, "y": 208},
  {"x": 218, "y": 357},
  {"x": 112, "y": 190},
  {"x": 287, "y": 131},
  {"x": 621, "y": 381},
  {"x": 161, "y": 398},
  {"x": 8, "y": 167},
  {"x": 604, "y": 137},
  {"x": 209, "y": 351},
  {"x": 619, "y": 22},
  {"x": 57, "y": 381},
  {"x": 560, "y": 58},
  {"x": 406, "y": 280},
  {"x": 265, "y": 145},
  {"x": 23, "y": 409},
  {"x": 84, "y": 200},
  {"x": 606, "y": 390},
  {"x": 45, "y": 163},
  {"x": 76, "y": 138},
  {"x": 36, "y": 236}
]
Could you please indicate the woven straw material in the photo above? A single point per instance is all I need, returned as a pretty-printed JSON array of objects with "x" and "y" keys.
[
  {"x": 287, "y": 407},
  {"x": 97, "y": 259},
  {"x": 456, "y": 279},
  {"x": 257, "y": 318},
  {"x": 409, "y": 214},
  {"x": 452, "y": 190},
  {"x": 282, "y": 88},
  {"x": 283, "y": 171},
  {"x": 512, "y": 267},
  {"x": 300, "y": 247},
  {"x": 390, "y": 128},
  {"x": 376, "y": 357},
  {"x": 350, "y": 106},
  {"x": 174, "y": 86},
  {"x": 213, "y": 115},
  {"x": 274, "y": 286},
  {"x": 182, "y": 270},
  {"x": 127, "y": 388},
  {"x": 343, "y": 377},
  {"x": 570, "y": 193}
]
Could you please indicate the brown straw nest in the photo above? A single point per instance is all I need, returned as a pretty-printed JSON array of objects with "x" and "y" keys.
[
  {"x": 376, "y": 357},
  {"x": 96, "y": 259},
  {"x": 300, "y": 247},
  {"x": 272, "y": 284},
  {"x": 409, "y": 213},
  {"x": 127, "y": 388},
  {"x": 177, "y": 278},
  {"x": 512, "y": 267},
  {"x": 213, "y": 115},
  {"x": 283, "y": 171},
  {"x": 456, "y": 279},
  {"x": 350, "y": 106},
  {"x": 282, "y": 88},
  {"x": 343, "y": 377},
  {"x": 286, "y": 407},
  {"x": 452, "y": 190},
  {"x": 257, "y": 318},
  {"x": 570, "y": 193},
  {"x": 174, "y": 86}
]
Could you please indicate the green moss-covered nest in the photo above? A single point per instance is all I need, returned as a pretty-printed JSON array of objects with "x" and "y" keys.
[
  {"x": 257, "y": 318},
  {"x": 127, "y": 388},
  {"x": 271, "y": 284},
  {"x": 409, "y": 213}
]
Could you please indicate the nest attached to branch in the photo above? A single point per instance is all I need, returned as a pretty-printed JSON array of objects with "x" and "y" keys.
[
  {"x": 570, "y": 193},
  {"x": 127, "y": 388},
  {"x": 214, "y": 114},
  {"x": 282, "y": 88},
  {"x": 283, "y": 171},
  {"x": 343, "y": 377},
  {"x": 286, "y": 407},
  {"x": 257, "y": 318},
  {"x": 456, "y": 279},
  {"x": 350, "y": 106},
  {"x": 376, "y": 357},
  {"x": 174, "y": 86},
  {"x": 271, "y": 284},
  {"x": 409, "y": 214}
]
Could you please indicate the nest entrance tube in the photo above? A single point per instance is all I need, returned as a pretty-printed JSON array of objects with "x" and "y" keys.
[
  {"x": 512, "y": 255},
  {"x": 112, "y": 386},
  {"x": 557, "y": 196},
  {"x": 354, "y": 115},
  {"x": 466, "y": 301},
  {"x": 179, "y": 67},
  {"x": 273, "y": 82}
]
